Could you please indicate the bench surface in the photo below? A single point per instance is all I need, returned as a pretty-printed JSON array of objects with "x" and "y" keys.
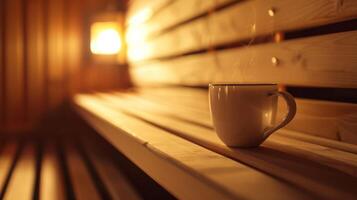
[{"x": 169, "y": 135}]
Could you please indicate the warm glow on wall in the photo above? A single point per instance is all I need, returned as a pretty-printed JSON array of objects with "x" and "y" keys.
[{"x": 105, "y": 38}]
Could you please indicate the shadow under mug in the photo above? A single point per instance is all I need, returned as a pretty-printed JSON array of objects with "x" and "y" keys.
[{"x": 244, "y": 114}]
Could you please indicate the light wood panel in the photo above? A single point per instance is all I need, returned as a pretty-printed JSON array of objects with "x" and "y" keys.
[
  {"x": 141, "y": 11},
  {"x": 188, "y": 175},
  {"x": 14, "y": 85},
  {"x": 35, "y": 62},
  {"x": 83, "y": 185},
  {"x": 52, "y": 184},
  {"x": 327, "y": 60},
  {"x": 22, "y": 182},
  {"x": 140, "y": 109},
  {"x": 176, "y": 12},
  {"x": 7, "y": 156},
  {"x": 320, "y": 118},
  {"x": 244, "y": 20},
  {"x": 113, "y": 178},
  {"x": 294, "y": 173}
]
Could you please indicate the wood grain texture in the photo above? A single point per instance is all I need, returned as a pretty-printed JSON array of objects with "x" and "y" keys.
[
  {"x": 327, "y": 61},
  {"x": 22, "y": 182},
  {"x": 325, "y": 119},
  {"x": 14, "y": 87},
  {"x": 138, "y": 108},
  {"x": 83, "y": 185},
  {"x": 7, "y": 156},
  {"x": 151, "y": 149},
  {"x": 52, "y": 183},
  {"x": 242, "y": 21},
  {"x": 302, "y": 151}
]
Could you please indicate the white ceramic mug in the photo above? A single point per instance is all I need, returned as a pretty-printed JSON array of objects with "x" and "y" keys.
[{"x": 244, "y": 114}]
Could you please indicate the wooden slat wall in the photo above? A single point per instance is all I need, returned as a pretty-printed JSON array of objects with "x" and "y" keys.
[
  {"x": 309, "y": 61},
  {"x": 43, "y": 58},
  {"x": 244, "y": 20},
  {"x": 243, "y": 41}
]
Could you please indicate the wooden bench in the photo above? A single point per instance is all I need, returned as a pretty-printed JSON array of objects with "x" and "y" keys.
[{"x": 176, "y": 48}]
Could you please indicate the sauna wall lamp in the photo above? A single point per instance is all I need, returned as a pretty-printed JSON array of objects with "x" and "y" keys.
[{"x": 106, "y": 37}]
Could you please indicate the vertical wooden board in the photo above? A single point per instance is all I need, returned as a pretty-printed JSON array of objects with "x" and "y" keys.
[
  {"x": 7, "y": 156},
  {"x": 74, "y": 42},
  {"x": 2, "y": 66},
  {"x": 14, "y": 90},
  {"x": 83, "y": 185},
  {"x": 22, "y": 181},
  {"x": 52, "y": 179},
  {"x": 55, "y": 52},
  {"x": 35, "y": 58}
]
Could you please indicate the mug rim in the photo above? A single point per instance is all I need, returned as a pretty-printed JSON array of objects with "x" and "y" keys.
[{"x": 242, "y": 84}]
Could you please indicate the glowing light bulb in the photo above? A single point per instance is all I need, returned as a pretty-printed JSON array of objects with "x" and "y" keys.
[{"x": 105, "y": 38}]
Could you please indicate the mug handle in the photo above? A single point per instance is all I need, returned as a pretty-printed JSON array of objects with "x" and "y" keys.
[{"x": 290, "y": 102}]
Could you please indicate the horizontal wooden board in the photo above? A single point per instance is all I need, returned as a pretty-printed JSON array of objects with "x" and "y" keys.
[
  {"x": 242, "y": 21},
  {"x": 299, "y": 163},
  {"x": 187, "y": 170},
  {"x": 320, "y": 118},
  {"x": 327, "y": 61},
  {"x": 141, "y": 11},
  {"x": 138, "y": 108},
  {"x": 175, "y": 12}
]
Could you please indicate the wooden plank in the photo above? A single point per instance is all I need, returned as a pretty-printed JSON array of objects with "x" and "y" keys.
[
  {"x": 2, "y": 65},
  {"x": 175, "y": 12},
  {"x": 162, "y": 107},
  {"x": 73, "y": 44},
  {"x": 52, "y": 183},
  {"x": 22, "y": 181},
  {"x": 327, "y": 61},
  {"x": 326, "y": 119},
  {"x": 320, "y": 118},
  {"x": 138, "y": 108},
  {"x": 245, "y": 20},
  {"x": 320, "y": 141},
  {"x": 296, "y": 173},
  {"x": 35, "y": 61},
  {"x": 113, "y": 178},
  {"x": 14, "y": 86},
  {"x": 83, "y": 185},
  {"x": 187, "y": 175},
  {"x": 7, "y": 156},
  {"x": 56, "y": 51},
  {"x": 141, "y": 11}
]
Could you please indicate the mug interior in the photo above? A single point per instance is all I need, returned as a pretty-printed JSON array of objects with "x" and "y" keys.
[{"x": 242, "y": 84}]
